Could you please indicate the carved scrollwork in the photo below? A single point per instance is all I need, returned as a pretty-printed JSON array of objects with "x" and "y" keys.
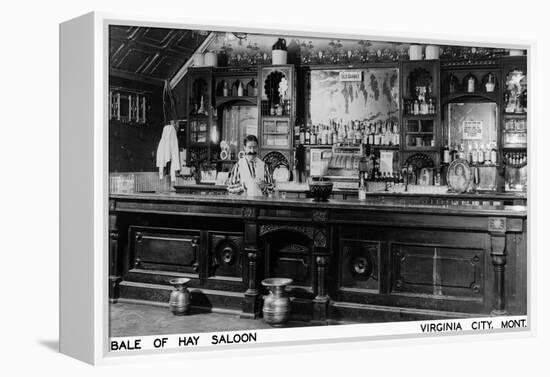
[
  {"x": 321, "y": 260},
  {"x": 269, "y": 228},
  {"x": 113, "y": 235},
  {"x": 320, "y": 239},
  {"x": 320, "y": 216},
  {"x": 138, "y": 236},
  {"x": 497, "y": 224},
  {"x": 137, "y": 263},
  {"x": 249, "y": 212}
]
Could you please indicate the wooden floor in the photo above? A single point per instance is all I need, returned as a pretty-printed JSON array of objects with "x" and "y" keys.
[{"x": 129, "y": 319}]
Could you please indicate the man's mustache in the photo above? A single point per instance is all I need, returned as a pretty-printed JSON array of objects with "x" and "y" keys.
[{"x": 252, "y": 153}]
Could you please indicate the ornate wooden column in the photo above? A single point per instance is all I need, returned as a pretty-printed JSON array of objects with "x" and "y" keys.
[
  {"x": 497, "y": 230},
  {"x": 251, "y": 302},
  {"x": 321, "y": 253},
  {"x": 114, "y": 262}
]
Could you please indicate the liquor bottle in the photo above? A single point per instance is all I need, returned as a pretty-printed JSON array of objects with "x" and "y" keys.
[
  {"x": 474, "y": 153},
  {"x": 446, "y": 154},
  {"x": 296, "y": 132},
  {"x": 302, "y": 134},
  {"x": 480, "y": 154},
  {"x": 240, "y": 90},
  {"x": 416, "y": 107},
  {"x": 494, "y": 152},
  {"x": 461, "y": 152},
  {"x": 487, "y": 154},
  {"x": 314, "y": 135},
  {"x": 469, "y": 156},
  {"x": 351, "y": 133},
  {"x": 454, "y": 152},
  {"x": 471, "y": 82},
  {"x": 308, "y": 136},
  {"x": 362, "y": 191},
  {"x": 225, "y": 89}
]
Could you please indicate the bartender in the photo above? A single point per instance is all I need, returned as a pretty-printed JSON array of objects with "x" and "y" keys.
[{"x": 250, "y": 175}]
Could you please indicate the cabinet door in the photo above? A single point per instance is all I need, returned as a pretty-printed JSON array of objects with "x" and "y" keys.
[
  {"x": 276, "y": 133},
  {"x": 165, "y": 249},
  {"x": 419, "y": 133},
  {"x": 437, "y": 271}
]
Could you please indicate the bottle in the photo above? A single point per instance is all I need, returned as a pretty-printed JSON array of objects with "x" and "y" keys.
[
  {"x": 351, "y": 134},
  {"x": 446, "y": 154},
  {"x": 314, "y": 136},
  {"x": 225, "y": 89},
  {"x": 474, "y": 153},
  {"x": 487, "y": 154},
  {"x": 480, "y": 154},
  {"x": 362, "y": 187},
  {"x": 308, "y": 136},
  {"x": 454, "y": 152},
  {"x": 416, "y": 107},
  {"x": 461, "y": 152},
  {"x": 471, "y": 83},
  {"x": 240, "y": 90},
  {"x": 494, "y": 152},
  {"x": 302, "y": 134}
]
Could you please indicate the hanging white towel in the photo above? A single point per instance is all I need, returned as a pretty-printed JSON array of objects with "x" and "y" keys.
[{"x": 168, "y": 150}]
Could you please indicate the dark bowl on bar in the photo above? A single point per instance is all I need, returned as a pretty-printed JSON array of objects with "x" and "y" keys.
[{"x": 320, "y": 189}]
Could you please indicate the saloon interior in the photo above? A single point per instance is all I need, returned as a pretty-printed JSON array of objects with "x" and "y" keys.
[{"x": 400, "y": 176}]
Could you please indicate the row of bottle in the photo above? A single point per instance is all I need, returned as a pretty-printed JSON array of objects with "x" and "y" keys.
[
  {"x": 352, "y": 133},
  {"x": 518, "y": 158},
  {"x": 420, "y": 106},
  {"x": 239, "y": 91},
  {"x": 474, "y": 154}
]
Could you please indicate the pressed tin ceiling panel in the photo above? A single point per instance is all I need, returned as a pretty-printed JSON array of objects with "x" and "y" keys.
[{"x": 151, "y": 53}]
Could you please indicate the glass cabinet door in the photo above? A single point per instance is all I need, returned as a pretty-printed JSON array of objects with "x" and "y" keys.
[
  {"x": 515, "y": 109},
  {"x": 276, "y": 133}
]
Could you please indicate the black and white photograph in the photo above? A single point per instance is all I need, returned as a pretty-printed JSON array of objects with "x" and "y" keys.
[
  {"x": 275, "y": 188},
  {"x": 273, "y": 181}
]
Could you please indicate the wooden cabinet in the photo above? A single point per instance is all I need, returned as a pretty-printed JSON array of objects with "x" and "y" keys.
[
  {"x": 420, "y": 106},
  {"x": 514, "y": 106},
  {"x": 277, "y": 111},
  {"x": 236, "y": 105},
  {"x": 201, "y": 132},
  {"x": 514, "y": 123}
]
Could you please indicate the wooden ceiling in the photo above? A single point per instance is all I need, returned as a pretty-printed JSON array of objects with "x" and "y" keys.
[{"x": 150, "y": 55}]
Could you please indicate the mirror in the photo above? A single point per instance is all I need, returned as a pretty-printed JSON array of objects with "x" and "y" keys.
[
  {"x": 370, "y": 94},
  {"x": 471, "y": 124}
]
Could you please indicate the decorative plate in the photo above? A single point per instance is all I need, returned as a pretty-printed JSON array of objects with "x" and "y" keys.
[{"x": 459, "y": 175}]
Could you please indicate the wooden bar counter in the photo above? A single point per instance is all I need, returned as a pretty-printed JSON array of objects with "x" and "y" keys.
[{"x": 350, "y": 260}]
